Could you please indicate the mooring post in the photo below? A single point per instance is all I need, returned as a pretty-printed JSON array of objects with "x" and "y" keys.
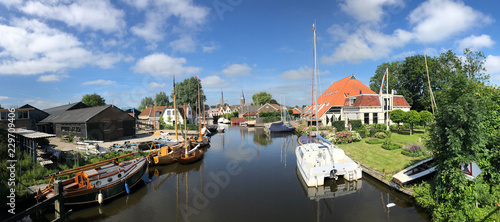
[{"x": 59, "y": 203}]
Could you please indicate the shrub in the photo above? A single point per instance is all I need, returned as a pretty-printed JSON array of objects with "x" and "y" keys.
[
  {"x": 412, "y": 150},
  {"x": 380, "y": 126},
  {"x": 340, "y": 125},
  {"x": 380, "y": 135},
  {"x": 393, "y": 127},
  {"x": 355, "y": 124},
  {"x": 362, "y": 133},
  {"x": 374, "y": 141},
  {"x": 344, "y": 137},
  {"x": 391, "y": 146}
]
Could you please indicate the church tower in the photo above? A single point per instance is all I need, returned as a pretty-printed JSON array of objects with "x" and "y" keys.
[{"x": 242, "y": 103}]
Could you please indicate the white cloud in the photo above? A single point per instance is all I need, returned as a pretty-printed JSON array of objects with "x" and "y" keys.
[
  {"x": 51, "y": 78},
  {"x": 476, "y": 42},
  {"x": 159, "y": 12},
  {"x": 159, "y": 64},
  {"x": 492, "y": 64},
  {"x": 3, "y": 97},
  {"x": 368, "y": 11},
  {"x": 437, "y": 20},
  {"x": 189, "y": 14},
  {"x": 152, "y": 29},
  {"x": 301, "y": 73},
  {"x": 183, "y": 44},
  {"x": 432, "y": 21},
  {"x": 367, "y": 43},
  {"x": 99, "y": 82},
  {"x": 236, "y": 70},
  {"x": 213, "y": 82},
  {"x": 31, "y": 47},
  {"x": 93, "y": 14},
  {"x": 210, "y": 47},
  {"x": 156, "y": 85}
]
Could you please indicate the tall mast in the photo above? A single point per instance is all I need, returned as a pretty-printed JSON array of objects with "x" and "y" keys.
[
  {"x": 316, "y": 81},
  {"x": 313, "y": 71},
  {"x": 175, "y": 113},
  {"x": 429, "y": 81},
  {"x": 199, "y": 112}
]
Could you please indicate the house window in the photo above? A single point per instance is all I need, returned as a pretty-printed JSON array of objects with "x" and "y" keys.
[
  {"x": 22, "y": 115},
  {"x": 158, "y": 113},
  {"x": 375, "y": 118},
  {"x": 367, "y": 118},
  {"x": 168, "y": 112},
  {"x": 3, "y": 115},
  {"x": 387, "y": 104}
]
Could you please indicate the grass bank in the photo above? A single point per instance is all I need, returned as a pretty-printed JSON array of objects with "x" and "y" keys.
[{"x": 379, "y": 159}]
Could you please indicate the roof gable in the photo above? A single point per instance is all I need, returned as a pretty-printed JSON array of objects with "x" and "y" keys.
[
  {"x": 77, "y": 115},
  {"x": 399, "y": 101}
]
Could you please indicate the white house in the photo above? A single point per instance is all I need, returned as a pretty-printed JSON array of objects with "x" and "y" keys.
[{"x": 169, "y": 115}]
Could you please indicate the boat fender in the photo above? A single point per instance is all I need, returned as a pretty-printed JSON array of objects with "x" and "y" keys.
[
  {"x": 99, "y": 198},
  {"x": 126, "y": 188}
]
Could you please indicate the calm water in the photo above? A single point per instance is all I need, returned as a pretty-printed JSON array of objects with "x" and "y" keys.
[{"x": 248, "y": 176}]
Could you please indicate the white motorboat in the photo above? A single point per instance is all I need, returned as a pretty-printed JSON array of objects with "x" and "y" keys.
[
  {"x": 220, "y": 120},
  {"x": 226, "y": 121},
  {"x": 316, "y": 161},
  {"x": 220, "y": 128},
  {"x": 413, "y": 173}
]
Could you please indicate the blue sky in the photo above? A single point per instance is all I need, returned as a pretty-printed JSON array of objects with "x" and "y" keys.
[{"x": 53, "y": 52}]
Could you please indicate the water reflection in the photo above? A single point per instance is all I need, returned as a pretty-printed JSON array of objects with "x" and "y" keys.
[{"x": 247, "y": 175}]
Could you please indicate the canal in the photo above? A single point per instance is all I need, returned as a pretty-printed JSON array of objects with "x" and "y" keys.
[{"x": 249, "y": 176}]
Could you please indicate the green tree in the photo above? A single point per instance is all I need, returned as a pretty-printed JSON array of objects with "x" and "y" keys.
[
  {"x": 273, "y": 101},
  {"x": 161, "y": 99},
  {"x": 473, "y": 65},
  {"x": 411, "y": 117},
  {"x": 466, "y": 129},
  {"x": 93, "y": 100},
  {"x": 263, "y": 98},
  {"x": 409, "y": 76},
  {"x": 146, "y": 102},
  {"x": 425, "y": 117},
  {"x": 187, "y": 92},
  {"x": 397, "y": 116}
]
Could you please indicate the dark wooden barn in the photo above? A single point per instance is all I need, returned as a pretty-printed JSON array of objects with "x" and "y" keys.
[{"x": 95, "y": 123}]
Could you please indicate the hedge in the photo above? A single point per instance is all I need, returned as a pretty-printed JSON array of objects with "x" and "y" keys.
[
  {"x": 362, "y": 133},
  {"x": 339, "y": 125},
  {"x": 374, "y": 141},
  {"x": 391, "y": 146},
  {"x": 355, "y": 124}
]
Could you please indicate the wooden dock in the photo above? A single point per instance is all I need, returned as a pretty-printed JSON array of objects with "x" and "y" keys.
[{"x": 380, "y": 177}]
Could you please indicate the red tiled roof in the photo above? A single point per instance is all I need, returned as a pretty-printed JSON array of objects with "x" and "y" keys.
[
  {"x": 364, "y": 100},
  {"x": 146, "y": 113},
  {"x": 250, "y": 113},
  {"x": 399, "y": 101},
  {"x": 334, "y": 95},
  {"x": 238, "y": 120}
]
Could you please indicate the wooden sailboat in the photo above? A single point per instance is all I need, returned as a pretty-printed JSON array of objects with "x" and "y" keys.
[
  {"x": 167, "y": 152},
  {"x": 97, "y": 182},
  {"x": 190, "y": 156},
  {"x": 202, "y": 141}
]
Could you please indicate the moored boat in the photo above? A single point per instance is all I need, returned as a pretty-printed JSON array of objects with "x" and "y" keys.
[
  {"x": 191, "y": 156},
  {"x": 279, "y": 127},
  {"x": 323, "y": 159},
  {"x": 98, "y": 182},
  {"x": 413, "y": 173}
]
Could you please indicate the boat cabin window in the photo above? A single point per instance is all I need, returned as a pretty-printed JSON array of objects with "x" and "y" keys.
[
  {"x": 110, "y": 179},
  {"x": 119, "y": 175}
]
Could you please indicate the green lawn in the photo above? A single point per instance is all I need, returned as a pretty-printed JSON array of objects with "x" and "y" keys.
[{"x": 374, "y": 156}]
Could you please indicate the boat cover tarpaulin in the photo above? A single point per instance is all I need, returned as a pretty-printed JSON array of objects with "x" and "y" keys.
[
  {"x": 305, "y": 139},
  {"x": 280, "y": 127}
]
